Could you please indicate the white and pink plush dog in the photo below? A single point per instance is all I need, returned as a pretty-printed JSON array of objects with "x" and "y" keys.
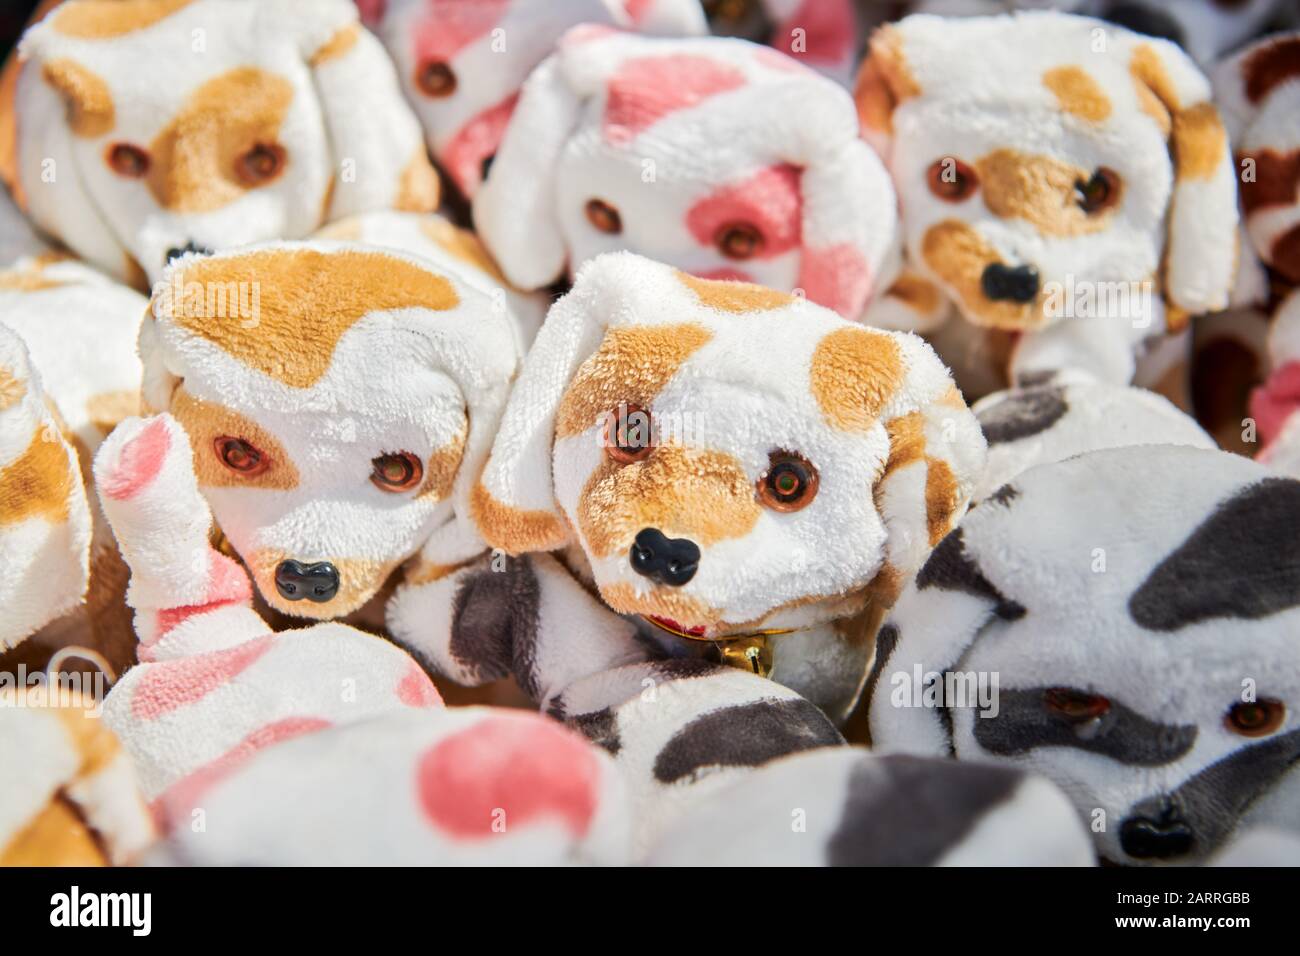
[{"x": 720, "y": 157}]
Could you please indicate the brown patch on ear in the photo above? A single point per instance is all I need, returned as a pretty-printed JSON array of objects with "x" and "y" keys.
[
  {"x": 89, "y": 102},
  {"x": 631, "y": 367},
  {"x": 440, "y": 471},
  {"x": 195, "y": 158},
  {"x": 942, "y": 498},
  {"x": 1078, "y": 93},
  {"x": 1198, "y": 142},
  {"x": 1270, "y": 66},
  {"x": 106, "y": 409},
  {"x": 855, "y": 372},
  {"x": 97, "y": 20},
  {"x": 884, "y": 81},
  {"x": 702, "y": 495},
  {"x": 1038, "y": 189},
  {"x": 737, "y": 297},
  {"x": 336, "y": 46},
  {"x": 307, "y": 300},
  {"x": 515, "y": 530},
  {"x": 906, "y": 442},
  {"x": 37, "y": 483},
  {"x": 1276, "y": 181},
  {"x": 1148, "y": 70},
  {"x": 959, "y": 255},
  {"x": 418, "y": 189},
  {"x": 916, "y": 293},
  {"x": 1150, "y": 104},
  {"x": 462, "y": 244},
  {"x": 204, "y": 422},
  {"x": 56, "y": 836}
]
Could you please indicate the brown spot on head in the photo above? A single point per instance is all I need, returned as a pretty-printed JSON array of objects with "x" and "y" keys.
[
  {"x": 1039, "y": 189},
  {"x": 205, "y": 422},
  {"x": 959, "y": 255},
  {"x": 37, "y": 483},
  {"x": 1078, "y": 93},
  {"x": 1199, "y": 142},
  {"x": 440, "y": 472},
  {"x": 884, "y": 81},
  {"x": 855, "y": 372},
  {"x": 1270, "y": 65},
  {"x": 727, "y": 296},
  {"x": 515, "y": 530},
  {"x": 86, "y": 96},
  {"x": 336, "y": 46},
  {"x": 1148, "y": 69},
  {"x": 307, "y": 300},
  {"x": 631, "y": 367},
  {"x": 100, "y": 20},
  {"x": 418, "y": 189}
]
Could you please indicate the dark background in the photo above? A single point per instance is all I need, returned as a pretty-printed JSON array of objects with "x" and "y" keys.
[{"x": 13, "y": 14}]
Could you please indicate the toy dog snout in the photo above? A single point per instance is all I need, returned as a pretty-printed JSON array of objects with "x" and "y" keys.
[
  {"x": 1161, "y": 835},
  {"x": 671, "y": 561},
  {"x": 317, "y": 582},
  {"x": 1018, "y": 284}
]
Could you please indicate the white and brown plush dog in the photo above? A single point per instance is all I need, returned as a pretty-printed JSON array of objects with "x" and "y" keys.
[
  {"x": 462, "y": 64},
  {"x": 715, "y": 155},
  {"x": 340, "y": 400},
  {"x": 731, "y": 462},
  {"x": 156, "y": 126},
  {"x": 1133, "y": 612},
  {"x": 1074, "y": 197}
]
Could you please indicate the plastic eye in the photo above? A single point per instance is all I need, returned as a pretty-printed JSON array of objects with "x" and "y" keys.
[
  {"x": 1100, "y": 192},
  {"x": 241, "y": 457},
  {"x": 1074, "y": 705},
  {"x": 260, "y": 164},
  {"x": 127, "y": 160},
  {"x": 952, "y": 180},
  {"x": 1255, "y": 719},
  {"x": 628, "y": 434},
  {"x": 436, "y": 79},
  {"x": 401, "y": 471},
  {"x": 604, "y": 217},
  {"x": 739, "y": 240},
  {"x": 789, "y": 484}
]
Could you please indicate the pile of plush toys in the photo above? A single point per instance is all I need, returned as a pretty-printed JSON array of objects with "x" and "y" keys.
[{"x": 650, "y": 432}]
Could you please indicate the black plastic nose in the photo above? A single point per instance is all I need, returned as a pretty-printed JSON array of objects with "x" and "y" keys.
[
  {"x": 1003, "y": 282},
  {"x": 175, "y": 252},
  {"x": 316, "y": 582},
  {"x": 1146, "y": 839},
  {"x": 1145, "y": 18},
  {"x": 671, "y": 561}
]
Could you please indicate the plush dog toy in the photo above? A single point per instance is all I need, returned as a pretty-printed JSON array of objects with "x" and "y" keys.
[
  {"x": 1074, "y": 197},
  {"x": 1134, "y": 611},
  {"x": 461, "y": 64},
  {"x": 340, "y": 400},
  {"x": 218, "y": 693},
  {"x": 737, "y": 470},
  {"x": 822, "y": 34},
  {"x": 157, "y": 126},
  {"x": 68, "y": 374},
  {"x": 715, "y": 155}
]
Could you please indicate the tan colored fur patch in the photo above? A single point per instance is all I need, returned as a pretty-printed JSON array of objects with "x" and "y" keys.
[
  {"x": 1149, "y": 69},
  {"x": 515, "y": 530},
  {"x": 737, "y": 297},
  {"x": 37, "y": 484},
  {"x": 1078, "y": 93},
  {"x": 884, "y": 81},
  {"x": 106, "y": 409},
  {"x": 855, "y": 372},
  {"x": 98, "y": 20},
  {"x": 1038, "y": 189},
  {"x": 1199, "y": 142},
  {"x": 906, "y": 441},
  {"x": 56, "y": 836},
  {"x": 958, "y": 255},
  {"x": 359, "y": 580},
  {"x": 418, "y": 189},
  {"x": 94, "y": 743},
  {"x": 917, "y": 293},
  {"x": 336, "y": 46},
  {"x": 440, "y": 471},
  {"x": 942, "y": 498},
  {"x": 88, "y": 100},
  {"x": 204, "y": 422}
]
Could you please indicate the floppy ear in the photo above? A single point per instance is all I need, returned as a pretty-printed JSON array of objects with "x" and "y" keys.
[
  {"x": 514, "y": 208},
  {"x": 884, "y": 81},
  {"x": 1201, "y": 242}
]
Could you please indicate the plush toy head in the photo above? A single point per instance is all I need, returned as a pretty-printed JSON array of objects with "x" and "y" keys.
[
  {"x": 149, "y": 127},
  {"x": 608, "y": 150},
  {"x": 1204, "y": 28},
  {"x": 725, "y": 454},
  {"x": 1079, "y": 154},
  {"x": 338, "y": 397},
  {"x": 462, "y": 64},
  {"x": 1134, "y": 613}
]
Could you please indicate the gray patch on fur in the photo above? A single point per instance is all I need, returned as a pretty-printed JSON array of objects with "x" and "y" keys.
[
  {"x": 600, "y": 727},
  {"x": 886, "y": 641},
  {"x": 494, "y": 624},
  {"x": 950, "y": 568},
  {"x": 1023, "y": 413}
]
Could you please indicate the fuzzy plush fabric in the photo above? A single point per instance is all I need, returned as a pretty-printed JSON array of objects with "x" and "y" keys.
[
  {"x": 68, "y": 796},
  {"x": 740, "y": 384},
  {"x": 714, "y": 155},
  {"x": 1137, "y": 608},
  {"x": 848, "y": 807},
  {"x": 217, "y": 694},
  {"x": 335, "y": 363},
  {"x": 161, "y": 125},
  {"x": 68, "y": 374},
  {"x": 822, "y": 34},
  {"x": 461, "y": 64},
  {"x": 18, "y": 240},
  {"x": 1075, "y": 193}
]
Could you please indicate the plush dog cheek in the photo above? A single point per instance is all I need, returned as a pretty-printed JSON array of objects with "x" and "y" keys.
[
  {"x": 958, "y": 255},
  {"x": 769, "y": 200},
  {"x": 646, "y": 89}
]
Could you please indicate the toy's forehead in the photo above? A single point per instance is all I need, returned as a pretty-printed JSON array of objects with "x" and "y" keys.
[{"x": 96, "y": 20}]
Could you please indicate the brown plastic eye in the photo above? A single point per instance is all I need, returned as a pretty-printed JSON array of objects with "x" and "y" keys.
[
  {"x": 400, "y": 471},
  {"x": 604, "y": 216},
  {"x": 1074, "y": 705},
  {"x": 1256, "y": 718},
  {"x": 952, "y": 180},
  {"x": 789, "y": 484},
  {"x": 260, "y": 164},
  {"x": 436, "y": 78},
  {"x": 629, "y": 434},
  {"x": 739, "y": 240},
  {"x": 241, "y": 457},
  {"x": 128, "y": 160},
  {"x": 1100, "y": 192}
]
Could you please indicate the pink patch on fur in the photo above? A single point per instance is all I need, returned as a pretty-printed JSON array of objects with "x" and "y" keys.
[
  {"x": 585, "y": 33},
  {"x": 1274, "y": 402},
  {"x": 524, "y": 765},
  {"x": 227, "y": 584},
  {"x": 646, "y": 89},
  {"x": 182, "y": 796},
  {"x": 416, "y": 690},
  {"x": 769, "y": 200},
  {"x": 451, "y": 25},
  {"x": 139, "y": 462},
  {"x": 836, "y": 277},
  {"x": 173, "y": 684},
  {"x": 828, "y": 30},
  {"x": 372, "y": 11},
  {"x": 478, "y": 139},
  {"x": 637, "y": 9}
]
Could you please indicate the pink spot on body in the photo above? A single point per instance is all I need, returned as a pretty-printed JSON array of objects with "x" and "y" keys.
[
  {"x": 646, "y": 89},
  {"x": 139, "y": 462},
  {"x": 372, "y": 11},
  {"x": 474, "y": 142},
  {"x": 769, "y": 201},
  {"x": 451, "y": 25},
  {"x": 172, "y": 684},
  {"x": 416, "y": 690},
  {"x": 227, "y": 584},
  {"x": 1272, "y": 403}
]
